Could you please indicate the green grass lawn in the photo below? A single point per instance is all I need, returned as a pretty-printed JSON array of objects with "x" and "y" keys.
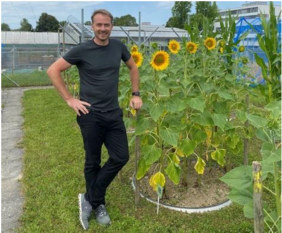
[
  {"x": 36, "y": 78},
  {"x": 53, "y": 177}
]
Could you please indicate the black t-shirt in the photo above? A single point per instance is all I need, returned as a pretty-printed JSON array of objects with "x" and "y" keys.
[{"x": 99, "y": 71}]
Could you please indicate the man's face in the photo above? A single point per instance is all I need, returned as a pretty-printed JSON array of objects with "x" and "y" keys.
[{"x": 102, "y": 27}]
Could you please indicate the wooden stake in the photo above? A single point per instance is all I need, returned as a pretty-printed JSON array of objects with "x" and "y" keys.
[
  {"x": 137, "y": 156},
  {"x": 258, "y": 206}
]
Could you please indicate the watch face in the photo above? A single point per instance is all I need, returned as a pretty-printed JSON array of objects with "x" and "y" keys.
[{"x": 136, "y": 93}]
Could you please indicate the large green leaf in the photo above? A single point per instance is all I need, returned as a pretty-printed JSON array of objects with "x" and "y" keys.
[
  {"x": 142, "y": 168},
  {"x": 175, "y": 104},
  {"x": 198, "y": 136},
  {"x": 197, "y": 103},
  {"x": 169, "y": 136},
  {"x": 257, "y": 121},
  {"x": 203, "y": 119},
  {"x": 264, "y": 135},
  {"x": 187, "y": 146},
  {"x": 173, "y": 172},
  {"x": 241, "y": 115},
  {"x": 219, "y": 120},
  {"x": 274, "y": 157},
  {"x": 241, "y": 196},
  {"x": 261, "y": 63},
  {"x": 142, "y": 125},
  {"x": 163, "y": 89},
  {"x": 156, "y": 111},
  {"x": 239, "y": 178},
  {"x": 225, "y": 95},
  {"x": 249, "y": 210},
  {"x": 151, "y": 153},
  {"x": 218, "y": 156}
]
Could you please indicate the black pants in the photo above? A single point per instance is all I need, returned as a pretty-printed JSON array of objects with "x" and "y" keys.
[{"x": 100, "y": 128}]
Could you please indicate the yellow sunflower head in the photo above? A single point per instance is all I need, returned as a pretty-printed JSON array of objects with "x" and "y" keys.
[
  {"x": 174, "y": 46},
  {"x": 160, "y": 60},
  {"x": 242, "y": 49},
  {"x": 138, "y": 58},
  {"x": 210, "y": 43},
  {"x": 134, "y": 48},
  {"x": 221, "y": 50},
  {"x": 191, "y": 47}
]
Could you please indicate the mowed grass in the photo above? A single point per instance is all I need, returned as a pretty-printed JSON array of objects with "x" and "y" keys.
[
  {"x": 36, "y": 78},
  {"x": 53, "y": 177}
]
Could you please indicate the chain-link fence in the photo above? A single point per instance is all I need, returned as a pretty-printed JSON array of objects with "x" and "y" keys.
[{"x": 23, "y": 60}]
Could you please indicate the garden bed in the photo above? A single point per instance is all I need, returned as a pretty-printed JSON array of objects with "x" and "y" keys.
[{"x": 211, "y": 192}]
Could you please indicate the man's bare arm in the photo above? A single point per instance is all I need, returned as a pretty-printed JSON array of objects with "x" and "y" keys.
[
  {"x": 136, "y": 101},
  {"x": 54, "y": 73}
]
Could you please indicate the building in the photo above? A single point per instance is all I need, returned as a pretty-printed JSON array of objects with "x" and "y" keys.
[
  {"x": 250, "y": 10},
  {"x": 248, "y": 13}
]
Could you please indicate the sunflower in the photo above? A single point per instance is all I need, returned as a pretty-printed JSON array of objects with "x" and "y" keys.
[
  {"x": 220, "y": 50},
  {"x": 222, "y": 43},
  {"x": 210, "y": 43},
  {"x": 241, "y": 49},
  {"x": 174, "y": 46},
  {"x": 191, "y": 47},
  {"x": 138, "y": 58},
  {"x": 155, "y": 45},
  {"x": 245, "y": 60},
  {"x": 134, "y": 48},
  {"x": 160, "y": 60}
]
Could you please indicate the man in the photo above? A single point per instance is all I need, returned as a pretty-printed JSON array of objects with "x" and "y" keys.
[{"x": 98, "y": 113}]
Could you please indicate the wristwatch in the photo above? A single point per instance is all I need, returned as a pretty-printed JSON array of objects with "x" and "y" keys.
[{"x": 136, "y": 93}]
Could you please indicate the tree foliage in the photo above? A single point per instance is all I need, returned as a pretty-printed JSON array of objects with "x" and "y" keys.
[
  {"x": 88, "y": 23},
  {"x": 25, "y": 26},
  {"x": 63, "y": 23},
  {"x": 180, "y": 12},
  {"x": 5, "y": 27},
  {"x": 126, "y": 20},
  {"x": 47, "y": 23},
  {"x": 204, "y": 9}
]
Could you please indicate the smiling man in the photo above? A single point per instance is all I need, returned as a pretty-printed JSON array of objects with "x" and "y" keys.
[{"x": 98, "y": 113}]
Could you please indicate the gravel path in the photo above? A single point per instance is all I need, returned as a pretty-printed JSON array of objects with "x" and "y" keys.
[{"x": 12, "y": 155}]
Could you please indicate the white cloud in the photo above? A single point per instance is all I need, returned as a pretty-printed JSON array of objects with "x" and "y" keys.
[{"x": 165, "y": 4}]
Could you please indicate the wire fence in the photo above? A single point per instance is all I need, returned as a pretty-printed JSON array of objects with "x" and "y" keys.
[
  {"x": 25, "y": 60},
  {"x": 28, "y": 59}
]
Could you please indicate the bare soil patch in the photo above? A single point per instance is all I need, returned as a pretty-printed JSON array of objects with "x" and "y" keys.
[{"x": 211, "y": 191}]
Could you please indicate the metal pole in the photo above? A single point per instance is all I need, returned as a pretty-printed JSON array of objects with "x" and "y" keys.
[
  {"x": 139, "y": 33},
  {"x": 59, "y": 42},
  {"x": 13, "y": 60},
  {"x": 10, "y": 79},
  {"x": 82, "y": 25}
]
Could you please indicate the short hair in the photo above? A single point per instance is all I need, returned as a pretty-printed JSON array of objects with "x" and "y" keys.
[{"x": 103, "y": 12}]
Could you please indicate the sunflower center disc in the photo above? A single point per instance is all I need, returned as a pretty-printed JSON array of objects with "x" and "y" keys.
[{"x": 159, "y": 60}]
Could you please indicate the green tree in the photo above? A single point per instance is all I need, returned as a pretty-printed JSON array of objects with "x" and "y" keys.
[
  {"x": 63, "y": 23},
  {"x": 47, "y": 23},
  {"x": 88, "y": 23},
  {"x": 5, "y": 27},
  {"x": 126, "y": 20},
  {"x": 204, "y": 9},
  {"x": 180, "y": 12},
  {"x": 169, "y": 23},
  {"x": 25, "y": 25}
]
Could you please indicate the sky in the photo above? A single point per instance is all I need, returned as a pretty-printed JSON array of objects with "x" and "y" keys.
[{"x": 155, "y": 12}]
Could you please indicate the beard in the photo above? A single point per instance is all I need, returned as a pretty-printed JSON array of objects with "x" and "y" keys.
[{"x": 102, "y": 36}]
